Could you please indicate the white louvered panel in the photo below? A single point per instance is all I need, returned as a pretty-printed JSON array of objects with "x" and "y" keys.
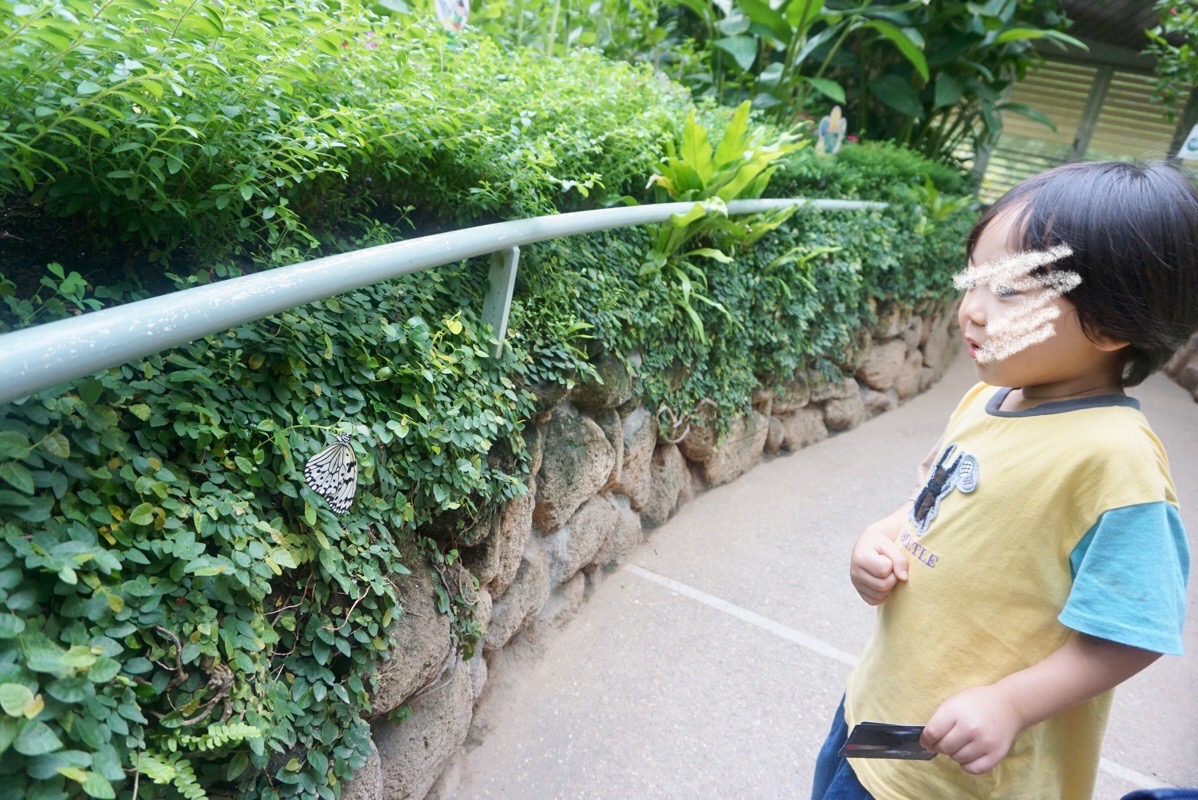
[
  {"x": 1057, "y": 89},
  {"x": 1130, "y": 125},
  {"x": 1015, "y": 159},
  {"x": 1027, "y": 147}
]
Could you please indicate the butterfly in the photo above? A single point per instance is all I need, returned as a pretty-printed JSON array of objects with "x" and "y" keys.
[{"x": 333, "y": 474}]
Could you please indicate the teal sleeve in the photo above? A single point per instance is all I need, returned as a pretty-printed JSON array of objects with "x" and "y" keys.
[{"x": 1129, "y": 578}]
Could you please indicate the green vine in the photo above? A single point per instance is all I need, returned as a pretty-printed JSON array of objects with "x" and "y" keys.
[{"x": 457, "y": 595}]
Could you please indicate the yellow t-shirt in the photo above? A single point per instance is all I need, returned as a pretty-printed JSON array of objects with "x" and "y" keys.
[{"x": 1030, "y": 526}]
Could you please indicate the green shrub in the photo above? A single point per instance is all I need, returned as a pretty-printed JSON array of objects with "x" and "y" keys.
[
  {"x": 866, "y": 171},
  {"x": 249, "y": 125}
]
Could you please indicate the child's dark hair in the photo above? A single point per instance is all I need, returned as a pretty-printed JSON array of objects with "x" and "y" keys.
[{"x": 1133, "y": 229}]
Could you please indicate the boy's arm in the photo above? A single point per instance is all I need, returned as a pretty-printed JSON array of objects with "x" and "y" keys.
[
  {"x": 877, "y": 563},
  {"x": 977, "y": 726}
]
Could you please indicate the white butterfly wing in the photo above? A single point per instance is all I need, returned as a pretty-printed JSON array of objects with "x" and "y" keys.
[{"x": 333, "y": 474}]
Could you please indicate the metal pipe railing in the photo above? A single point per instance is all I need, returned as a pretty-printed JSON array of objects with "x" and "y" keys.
[{"x": 43, "y": 356}]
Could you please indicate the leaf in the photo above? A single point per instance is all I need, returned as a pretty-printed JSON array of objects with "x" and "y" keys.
[
  {"x": 1025, "y": 34},
  {"x": 42, "y": 654},
  {"x": 734, "y": 24},
  {"x": 10, "y": 626},
  {"x": 703, "y": 10},
  {"x": 991, "y": 8},
  {"x": 13, "y": 698},
  {"x": 801, "y": 14},
  {"x": 732, "y": 145},
  {"x": 96, "y": 786},
  {"x": 74, "y": 773},
  {"x": 710, "y": 252},
  {"x": 743, "y": 50},
  {"x": 104, "y": 670},
  {"x": 36, "y": 739},
  {"x": 88, "y": 87},
  {"x": 17, "y": 476},
  {"x": 92, "y": 126},
  {"x": 949, "y": 89},
  {"x": 904, "y": 43},
  {"x": 682, "y": 220},
  {"x": 79, "y": 657},
  {"x": 770, "y": 75},
  {"x": 57, "y": 445},
  {"x": 13, "y": 445},
  {"x": 827, "y": 87},
  {"x": 141, "y": 411},
  {"x": 90, "y": 390},
  {"x": 69, "y": 690},
  {"x": 142, "y": 515},
  {"x": 453, "y": 326},
  {"x": 8, "y": 732},
  {"x": 696, "y": 150},
  {"x": 34, "y": 707},
  {"x": 1023, "y": 109},
  {"x": 762, "y": 14},
  {"x": 897, "y": 93},
  {"x": 815, "y": 42}
]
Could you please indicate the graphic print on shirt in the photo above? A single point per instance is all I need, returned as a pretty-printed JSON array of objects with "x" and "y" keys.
[{"x": 948, "y": 473}]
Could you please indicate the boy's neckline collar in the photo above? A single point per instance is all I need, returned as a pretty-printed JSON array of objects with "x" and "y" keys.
[{"x": 1057, "y": 406}]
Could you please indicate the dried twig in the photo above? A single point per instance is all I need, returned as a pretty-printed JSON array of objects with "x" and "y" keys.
[
  {"x": 220, "y": 679},
  {"x": 180, "y": 674},
  {"x": 684, "y": 422},
  {"x": 351, "y": 611}
]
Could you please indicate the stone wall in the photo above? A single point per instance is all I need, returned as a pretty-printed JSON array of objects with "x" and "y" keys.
[
  {"x": 1183, "y": 367},
  {"x": 603, "y": 475}
]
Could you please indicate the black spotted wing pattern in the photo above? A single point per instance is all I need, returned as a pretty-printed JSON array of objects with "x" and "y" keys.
[{"x": 333, "y": 474}]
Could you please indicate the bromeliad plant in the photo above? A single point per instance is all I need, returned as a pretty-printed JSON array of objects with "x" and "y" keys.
[{"x": 739, "y": 168}]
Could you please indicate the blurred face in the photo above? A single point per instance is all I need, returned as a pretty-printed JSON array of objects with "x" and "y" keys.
[{"x": 1020, "y": 328}]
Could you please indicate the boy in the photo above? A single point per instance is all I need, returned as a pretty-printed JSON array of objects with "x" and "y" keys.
[{"x": 1042, "y": 561}]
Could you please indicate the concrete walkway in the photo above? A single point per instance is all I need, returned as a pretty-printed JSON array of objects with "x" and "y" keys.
[{"x": 708, "y": 666}]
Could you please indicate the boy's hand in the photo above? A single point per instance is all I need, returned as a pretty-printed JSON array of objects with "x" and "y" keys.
[
  {"x": 877, "y": 564},
  {"x": 975, "y": 728}
]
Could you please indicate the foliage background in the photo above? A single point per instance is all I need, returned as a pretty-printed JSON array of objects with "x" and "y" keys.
[
  {"x": 182, "y": 613},
  {"x": 1175, "y": 50}
]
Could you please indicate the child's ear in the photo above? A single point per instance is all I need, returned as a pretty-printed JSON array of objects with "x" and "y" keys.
[
  {"x": 1107, "y": 344},
  {"x": 1102, "y": 341}
]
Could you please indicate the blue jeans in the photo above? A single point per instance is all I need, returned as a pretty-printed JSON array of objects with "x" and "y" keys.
[{"x": 834, "y": 777}]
